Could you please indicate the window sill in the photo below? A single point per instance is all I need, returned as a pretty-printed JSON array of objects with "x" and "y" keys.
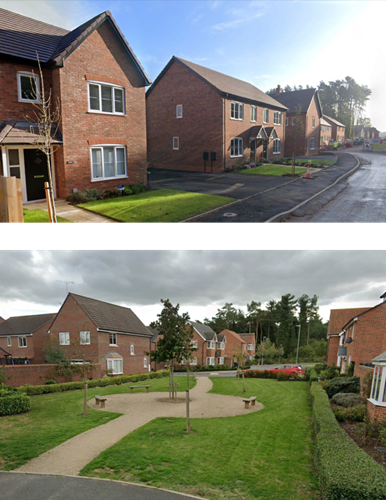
[
  {"x": 109, "y": 178},
  {"x": 237, "y": 156},
  {"x": 279, "y": 153},
  {"x": 96, "y": 112},
  {"x": 376, "y": 403},
  {"x": 238, "y": 119},
  {"x": 31, "y": 101},
  {"x": 113, "y": 345}
]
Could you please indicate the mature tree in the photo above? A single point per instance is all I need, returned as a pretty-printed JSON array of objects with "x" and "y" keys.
[
  {"x": 366, "y": 122},
  {"x": 175, "y": 336},
  {"x": 308, "y": 312},
  {"x": 267, "y": 352},
  {"x": 228, "y": 317},
  {"x": 286, "y": 317},
  {"x": 254, "y": 316}
]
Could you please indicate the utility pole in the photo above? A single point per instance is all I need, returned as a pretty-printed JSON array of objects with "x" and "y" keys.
[
  {"x": 297, "y": 350},
  {"x": 262, "y": 352}
]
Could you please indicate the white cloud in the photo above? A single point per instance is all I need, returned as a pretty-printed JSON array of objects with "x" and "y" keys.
[{"x": 241, "y": 17}]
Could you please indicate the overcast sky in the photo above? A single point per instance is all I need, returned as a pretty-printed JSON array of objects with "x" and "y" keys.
[
  {"x": 263, "y": 42},
  {"x": 200, "y": 281}
]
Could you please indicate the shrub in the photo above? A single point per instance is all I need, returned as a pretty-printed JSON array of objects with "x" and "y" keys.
[
  {"x": 137, "y": 188},
  {"x": 50, "y": 382},
  {"x": 329, "y": 373},
  {"x": 320, "y": 367},
  {"x": 343, "y": 384},
  {"x": 345, "y": 471},
  {"x": 127, "y": 191},
  {"x": 77, "y": 197},
  {"x": 354, "y": 413},
  {"x": 13, "y": 401},
  {"x": 92, "y": 194},
  {"x": 366, "y": 383},
  {"x": 348, "y": 399}
]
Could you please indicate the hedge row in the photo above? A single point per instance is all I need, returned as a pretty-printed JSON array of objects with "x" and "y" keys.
[
  {"x": 13, "y": 402},
  {"x": 345, "y": 471},
  {"x": 36, "y": 390},
  {"x": 273, "y": 374},
  {"x": 342, "y": 384}
]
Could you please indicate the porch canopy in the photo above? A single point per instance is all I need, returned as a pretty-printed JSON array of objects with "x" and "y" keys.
[
  {"x": 261, "y": 134},
  {"x": 23, "y": 132}
]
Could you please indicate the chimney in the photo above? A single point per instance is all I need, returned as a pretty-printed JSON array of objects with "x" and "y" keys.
[{"x": 279, "y": 90}]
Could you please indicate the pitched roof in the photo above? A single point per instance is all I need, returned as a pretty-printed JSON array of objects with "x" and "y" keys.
[
  {"x": 339, "y": 318},
  {"x": 23, "y": 325},
  {"x": 325, "y": 122},
  {"x": 226, "y": 85},
  {"x": 368, "y": 309},
  {"x": 297, "y": 98},
  {"x": 23, "y": 37},
  {"x": 155, "y": 333},
  {"x": 204, "y": 330},
  {"x": 381, "y": 358},
  {"x": 334, "y": 121},
  {"x": 111, "y": 317},
  {"x": 231, "y": 333}
]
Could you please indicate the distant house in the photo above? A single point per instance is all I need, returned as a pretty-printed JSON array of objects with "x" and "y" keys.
[
  {"x": 366, "y": 133},
  {"x": 338, "y": 130},
  {"x": 96, "y": 331},
  {"x": 303, "y": 105},
  {"x": 22, "y": 338},
  {"x": 100, "y": 85},
  {"x": 202, "y": 120},
  {"x": 239, "y": 347},
  {"x": 325, "y": 133}
]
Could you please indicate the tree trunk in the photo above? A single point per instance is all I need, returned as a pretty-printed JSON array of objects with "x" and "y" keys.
[
  {"x": 244, "y": 389},
  {"x": 85, "y": 397},
  {"x": 187, "y": 411}
]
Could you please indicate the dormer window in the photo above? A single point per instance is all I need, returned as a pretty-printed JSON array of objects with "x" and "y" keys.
[{"x": 28, "y": 87}]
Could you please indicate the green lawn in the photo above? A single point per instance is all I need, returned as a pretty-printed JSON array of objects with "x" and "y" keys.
[
  {"x": 54, "y": 418},
  {"x": 164, "y": 205},
  {"x": 267, "y": 455},
  {"x": 277, "y": 170},
  {"x": 38, "y": 215}
]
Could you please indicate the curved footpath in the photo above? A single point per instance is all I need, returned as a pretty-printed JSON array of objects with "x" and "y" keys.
[{"x": 70, "y": 457}]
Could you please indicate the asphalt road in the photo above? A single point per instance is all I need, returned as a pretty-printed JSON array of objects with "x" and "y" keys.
[
  {"x": 259, "y": 198},
  {"x": 20, "y": 486},
  {"x": 360, "y": 198}
]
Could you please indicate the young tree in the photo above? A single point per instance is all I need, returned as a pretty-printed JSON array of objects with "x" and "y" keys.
[
  {"x": 46, "y": 123},
  {"x": 174, "y": 344}
]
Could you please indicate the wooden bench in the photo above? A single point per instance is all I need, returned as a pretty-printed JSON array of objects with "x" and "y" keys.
[
  {"x": 248, "y": 401},
  {"x": 139, "y": 386},
  {"x": 100, "y": 400}
]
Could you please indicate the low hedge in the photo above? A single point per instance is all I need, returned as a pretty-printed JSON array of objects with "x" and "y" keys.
[
  {"x": 282, "y": 376},
  {"x": 350, "y": 414},
  {"x": 348, "y": 399},
  {"x": 342, "y": 384},
  {"x": 13, "y": 401},
  {"x": 344, "y": 470},
  {"x": 36, "y": 390}
]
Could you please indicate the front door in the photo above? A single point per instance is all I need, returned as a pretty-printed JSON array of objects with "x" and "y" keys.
[
  {"x": 265, "y": 149},
  {"x": 36, "y": 173}
]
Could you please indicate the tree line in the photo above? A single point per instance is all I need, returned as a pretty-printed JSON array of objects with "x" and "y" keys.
[
  {"x": 345, "y": 100},
  {"x": 279, "y": 322}
]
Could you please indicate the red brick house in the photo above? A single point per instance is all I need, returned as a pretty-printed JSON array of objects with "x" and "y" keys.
[
  {"x": 238, "y": 345},
  {"x": 325, "y": 133},
  {"x": 338, "y": 130},
  {"x": 303, "y": 107},
  {"x": 96, "y": 331},
  {"x": 100, "y": 85},
  {"x": 202, "y": 120},
  {"x": 338, "y": 318},
  {"x": 22, "y": 338}
]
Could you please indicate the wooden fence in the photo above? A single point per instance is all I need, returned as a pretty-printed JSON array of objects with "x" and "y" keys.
[{"x": 11, "y": 200}]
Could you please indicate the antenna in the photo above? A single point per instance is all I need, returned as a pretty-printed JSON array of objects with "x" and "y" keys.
[{"x": 67, "y": 283}]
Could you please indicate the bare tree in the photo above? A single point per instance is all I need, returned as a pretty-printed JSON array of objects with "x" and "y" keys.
[{"x": 45, "y": 125}]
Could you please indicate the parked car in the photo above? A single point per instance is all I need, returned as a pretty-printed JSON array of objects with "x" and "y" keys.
[
  {"x": 289, "y": 369},
  {"x": 358, "y": 141},
  {"x": 348, "y": 144}
]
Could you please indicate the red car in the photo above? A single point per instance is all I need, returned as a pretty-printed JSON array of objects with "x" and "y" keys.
[{"x": 289, "y": 369}]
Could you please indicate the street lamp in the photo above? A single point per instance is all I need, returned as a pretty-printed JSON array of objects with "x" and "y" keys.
[
  {"x": 297, "y": 350},
  {"x": 262, "y": 352}
]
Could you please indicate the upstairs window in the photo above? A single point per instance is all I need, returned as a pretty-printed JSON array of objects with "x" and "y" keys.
[
  {"x": 253, "y": 113},
  {"x": 22, "y": 341},
  {"x": 211, "y": 344},
  {"x": 104, "y": 98},
  {"x": 113, "y": 338},
  {"x": 108, "y": 162},
  {"x": 132, "y": 349},
  {"x": 237, "y": 110},
  {"x": 28, "y": 87},
  {"x": 194, "y": 344},
  {"x": 84, "y": 338},
  {"x": 9, "y": 342},
  {"x": 277, "y": 118},
  {"x": 313, "y": 122},
  {"x": 64, "y": 338},
  {"x": 179, "y": 111},
  {"x": 265, "y": 116}
]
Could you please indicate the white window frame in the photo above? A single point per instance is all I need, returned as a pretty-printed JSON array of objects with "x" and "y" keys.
[
  {"x": 113, "y": 87},
  {"x": 277, "y": 118},
  {"x": 113, "y": 336},
  {"x": 253, "y": 113},
  {"x": 9, "y": 341},
  {"x": 116, "y": 365},
  {"x": 237, "y": 111},
  {"x": 265, "y": 118},
  {"x": 250, "y": 347},
  {"x": 193, "y": 361},
  {"x": 22, "y": 342},
  {"x": 115, "y": 147},
  {"x": 176, "y": 143},
  {"x": 145, "y": 362},
  {"x": 221, "y": 346},
  {"x": 210, "y": 360},
  {"x": 28, "y": 74},
  {"x": 240, "y": 147},
  {"x": 64, "y": 338},
  {"x": 293, "y": 121},
  {"x": 194, "y": 344},
  {"x": 313, "y": 122},
  {"x": 211, "y": 344},
  {"x": 276, "y": 147},
  {"x": 86, "y": 340},
  {"x": 132, "y": 353},
  {"x": 312, "y": 141},
  {"x": 221, "y": 360},
  {"x": 179, "y": 111}
]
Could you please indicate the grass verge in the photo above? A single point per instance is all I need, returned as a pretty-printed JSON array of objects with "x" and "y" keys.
[
  {"x": 265, "y": 455},
  {"x": 164, "y": 205},
  {"x": 39, "y": 215},
  {"x": 53, "y": 419},
  {"x": 275, "y": 170}
]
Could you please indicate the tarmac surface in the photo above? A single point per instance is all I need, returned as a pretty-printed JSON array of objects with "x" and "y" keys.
[{"x": 258, "y": 198}]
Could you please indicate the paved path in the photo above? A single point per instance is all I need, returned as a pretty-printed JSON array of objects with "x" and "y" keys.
[
  {"x": 70, "y": 457},
  {"x": 70, "y": 212}
]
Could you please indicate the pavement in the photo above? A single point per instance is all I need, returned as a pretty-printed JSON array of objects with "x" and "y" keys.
[
  {"x": 258, "y": 198},
  {"x": 70, "y": 212}
]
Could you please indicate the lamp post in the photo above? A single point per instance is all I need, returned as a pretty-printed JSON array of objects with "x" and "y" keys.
[
  {"x": 297, "y": 350},
  {"x": 262, "y": 352}
]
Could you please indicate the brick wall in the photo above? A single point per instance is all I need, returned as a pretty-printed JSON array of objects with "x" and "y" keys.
[
  {"x": 100, "y": 57},
  {"x": 18, "y": 375},
  {"x": 332, "y": 350},
  {"x": 376, "y": 412},
  {"x": 303, "y": 144}
]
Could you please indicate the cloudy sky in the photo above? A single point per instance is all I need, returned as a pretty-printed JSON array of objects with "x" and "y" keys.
[
  {"x": 32, "y": 282},
  {"x": 263, "y": 42}
]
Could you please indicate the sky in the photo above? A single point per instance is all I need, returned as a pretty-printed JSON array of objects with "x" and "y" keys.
[
  {"x": 33, "y": 282},
  {"x": 266, "y": 43}
]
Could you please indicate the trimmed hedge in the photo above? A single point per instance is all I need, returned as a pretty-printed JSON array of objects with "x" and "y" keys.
[
  {"x": 348, "y": 399},
  {"x": 282, "y": 376},
  {"x": 350, "y": 414},
  {"x": 13, "y": 402},
  {"x": 345, "y": 471},
  {"x": 342, "y": 384},
  {"x": 37, "y": 390}
]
